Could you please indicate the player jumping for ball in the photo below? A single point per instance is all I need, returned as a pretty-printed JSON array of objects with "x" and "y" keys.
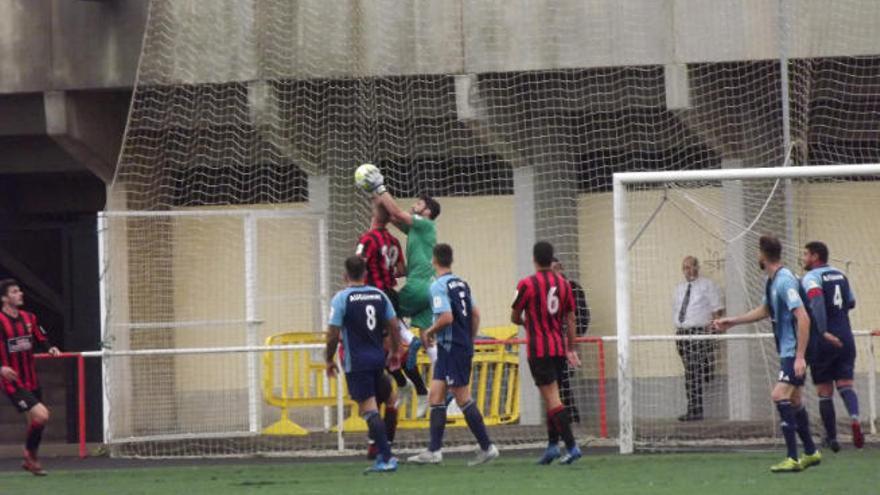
[{"x": 421, "y": 237}]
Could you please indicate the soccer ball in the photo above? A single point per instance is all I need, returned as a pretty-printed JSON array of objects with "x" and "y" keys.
[{"x": 360, "y": 175}]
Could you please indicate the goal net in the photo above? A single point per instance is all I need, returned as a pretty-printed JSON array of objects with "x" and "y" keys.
[
  {"x": 233, "y": 198},
  {"x": 683, "y": 384}
]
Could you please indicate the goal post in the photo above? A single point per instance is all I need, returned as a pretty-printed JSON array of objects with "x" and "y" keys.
[{"x": 636, "y": 203}]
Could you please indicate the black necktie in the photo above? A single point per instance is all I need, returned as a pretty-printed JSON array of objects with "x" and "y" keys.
[{"x": 684, "y": 304}]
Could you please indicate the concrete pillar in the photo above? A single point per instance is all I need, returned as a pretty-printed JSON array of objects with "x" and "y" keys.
[
  {"x": 737, "y": 295},
  {"x": 524, "y": 194}
]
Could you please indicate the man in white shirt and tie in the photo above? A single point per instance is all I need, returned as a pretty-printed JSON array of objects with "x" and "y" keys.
[{"x": 696, "y": 304}]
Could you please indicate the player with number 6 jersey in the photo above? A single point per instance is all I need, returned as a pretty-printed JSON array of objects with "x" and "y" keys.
[{"x": 544, "y": 304}]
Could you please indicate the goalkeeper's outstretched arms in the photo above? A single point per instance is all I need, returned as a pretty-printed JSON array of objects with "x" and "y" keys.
[
  {"x": 724, "y": 324},
  {"x": 376, "y": 183}
]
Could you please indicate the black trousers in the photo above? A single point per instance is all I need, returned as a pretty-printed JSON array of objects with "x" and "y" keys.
[
  {"x": 698, "y": 358},
  {"x": 566, "y": 394}
]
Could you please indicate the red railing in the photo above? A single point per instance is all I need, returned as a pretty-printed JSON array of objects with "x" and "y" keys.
[
  {"x": 600, "y": 363},
  {"x": 80, "y": 394}
]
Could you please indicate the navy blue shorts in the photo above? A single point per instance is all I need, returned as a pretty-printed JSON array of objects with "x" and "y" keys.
[
  {"x": 786, "y": 373},
  {"x": 365, "y": 384},
  {"x": 832, "y": 364},
  {"x": 453, "y": 367}
]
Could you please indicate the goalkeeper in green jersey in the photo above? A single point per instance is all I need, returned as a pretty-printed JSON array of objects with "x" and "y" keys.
[{"x": 421, "y": 236}]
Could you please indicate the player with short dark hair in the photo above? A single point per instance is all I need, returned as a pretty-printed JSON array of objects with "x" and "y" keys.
[
  {"x": 456, "y": 323},
  {"x": 544, "y": 304},
  {"x": 360, "y": 313},
  {"x": 21, "y": 334},
  {"x": 783, "y": 304},
  {"x": 830, "y": 298}
]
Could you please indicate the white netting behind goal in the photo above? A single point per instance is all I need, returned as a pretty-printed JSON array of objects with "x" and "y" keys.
[
  {"x": 727, "y": 380},
  {"x": 515, "y": 116}
]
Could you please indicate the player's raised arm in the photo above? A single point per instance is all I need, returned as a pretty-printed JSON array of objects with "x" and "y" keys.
[{"x": 399, "y": 217}]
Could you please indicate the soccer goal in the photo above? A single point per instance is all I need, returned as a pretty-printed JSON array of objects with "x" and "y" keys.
[{"x": 717, "y": 217}]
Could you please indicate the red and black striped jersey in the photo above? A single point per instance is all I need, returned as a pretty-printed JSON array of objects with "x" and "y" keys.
[
  {"x": 20, "y": 337},
  {"x": 381, "y": 251},
  {"x": 546, "y": 298}
]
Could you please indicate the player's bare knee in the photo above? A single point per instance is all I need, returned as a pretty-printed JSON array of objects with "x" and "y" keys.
[
  {"x": 780, "y": 393},
  {"x": 824, "y": 390},
  {"x": 842, "y": 384},
  {"x": 437, "y": 394},
  {"x": 39, "y": 414},
  {"x": 462, "y": 395}
]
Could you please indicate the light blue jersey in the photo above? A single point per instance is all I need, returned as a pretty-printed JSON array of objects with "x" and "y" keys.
[
  {"x": 782, "y": 296},
  {"x": 361, "y": 312},
  {"x": 450, "y": 294}
]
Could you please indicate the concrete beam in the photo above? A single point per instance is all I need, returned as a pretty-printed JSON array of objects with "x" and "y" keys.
[{"x": 89, "y": 126}]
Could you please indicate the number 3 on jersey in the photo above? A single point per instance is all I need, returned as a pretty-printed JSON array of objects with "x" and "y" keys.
[{"x": 552, "y": 301}]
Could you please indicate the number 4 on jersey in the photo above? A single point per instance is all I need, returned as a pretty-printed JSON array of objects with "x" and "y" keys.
[{"x": 838, "y": 297}]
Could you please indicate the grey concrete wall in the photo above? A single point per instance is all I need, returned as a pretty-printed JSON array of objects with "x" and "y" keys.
[{"x": 68, "y": 44}]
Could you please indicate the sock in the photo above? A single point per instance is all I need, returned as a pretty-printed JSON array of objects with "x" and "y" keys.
[
  {"x": 787, "y": 423},
  {"x": 552, "y": 432},
  {"x": 377, "y": 432},
  {"x": 475, "y": 422},
  {"x": 851, "y": 401},
  {"x": 826, "y": 411},
  {"x": 34, "y": 437},
  {"x": 562, "y": 421},
  {"x": 390, "y": 423},
  {"x": 399, "y": 379},
  {"x": 438, "y": 426},
  {"x": 418, "y": 382},
  {"x": 803, "y": 430}
]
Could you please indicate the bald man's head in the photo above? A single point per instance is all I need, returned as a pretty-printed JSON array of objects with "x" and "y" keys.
[{"x": 690, "y": 267}]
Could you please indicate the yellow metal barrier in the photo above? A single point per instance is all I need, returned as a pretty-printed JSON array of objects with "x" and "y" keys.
[
  {"x": 294, "y": 379},
  {"x": 494, "y": 383},
  {"x": 303, "y": 383}
]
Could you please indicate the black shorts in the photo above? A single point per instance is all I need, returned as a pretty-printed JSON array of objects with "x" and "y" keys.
[
  {"x": 834, "y": 364},
  {"x": 547, "y": 370},
  {"x": 25, "y": 400},
  {"x": 395, "y": 300}
]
